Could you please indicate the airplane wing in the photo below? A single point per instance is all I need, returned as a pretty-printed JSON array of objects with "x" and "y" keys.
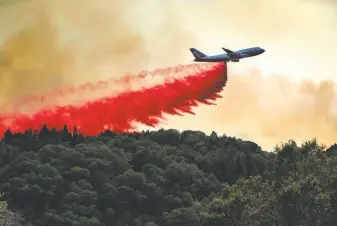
[
  {"x": 236, "y": 55},
  {"x": 227, "y": 50}
]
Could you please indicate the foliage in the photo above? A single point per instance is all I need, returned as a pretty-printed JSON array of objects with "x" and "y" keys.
[
  {"x": 164, "y": 178},
  {"x": 301, "y": 191},
  {"x": 7, "y": 217}
]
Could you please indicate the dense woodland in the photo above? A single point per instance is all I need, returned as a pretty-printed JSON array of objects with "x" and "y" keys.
[{"x": 163, "y": 178}]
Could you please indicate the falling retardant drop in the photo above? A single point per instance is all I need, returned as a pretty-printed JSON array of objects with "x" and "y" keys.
[{"x": 200, "y": 84}]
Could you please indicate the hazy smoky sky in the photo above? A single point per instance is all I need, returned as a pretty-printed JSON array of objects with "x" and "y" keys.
[{"x": 288, "y": 92}]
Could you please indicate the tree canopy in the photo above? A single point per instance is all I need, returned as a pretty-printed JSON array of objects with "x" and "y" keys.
[{"x": 164, "y": 178}]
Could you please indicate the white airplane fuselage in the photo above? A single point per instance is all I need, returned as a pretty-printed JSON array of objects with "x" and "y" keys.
[{"x": 233, "y": 56}]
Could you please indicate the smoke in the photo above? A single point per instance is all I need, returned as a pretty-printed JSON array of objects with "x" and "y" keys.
[
  {"x": 31, "y": 63},
  {"x": 66, "y": 43},
  {"x": 274, "y": 110}
]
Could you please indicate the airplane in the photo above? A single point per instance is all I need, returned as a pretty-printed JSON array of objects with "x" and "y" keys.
[{"x": 233, "y": 56}]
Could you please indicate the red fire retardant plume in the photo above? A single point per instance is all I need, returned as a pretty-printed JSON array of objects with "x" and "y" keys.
[{"x": 118, "y": 113}]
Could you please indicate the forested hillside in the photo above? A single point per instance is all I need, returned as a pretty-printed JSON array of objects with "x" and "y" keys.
[{"x": 163, "y": 178}]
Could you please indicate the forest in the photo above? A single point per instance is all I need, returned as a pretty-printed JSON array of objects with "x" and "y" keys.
[{"x": 164, "y": 177}]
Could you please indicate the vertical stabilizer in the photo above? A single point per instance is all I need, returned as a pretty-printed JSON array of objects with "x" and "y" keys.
[{"x": 197, "y": 54}]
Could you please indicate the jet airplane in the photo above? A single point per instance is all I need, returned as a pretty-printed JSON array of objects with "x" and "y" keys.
[{"x": 233, "y": 56}]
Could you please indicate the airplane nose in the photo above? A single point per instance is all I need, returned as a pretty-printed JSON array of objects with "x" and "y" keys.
[{"x": 262, "y": 50}]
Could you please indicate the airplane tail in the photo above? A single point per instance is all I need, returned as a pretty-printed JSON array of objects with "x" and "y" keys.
[{"x": 197, "y": 54}]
